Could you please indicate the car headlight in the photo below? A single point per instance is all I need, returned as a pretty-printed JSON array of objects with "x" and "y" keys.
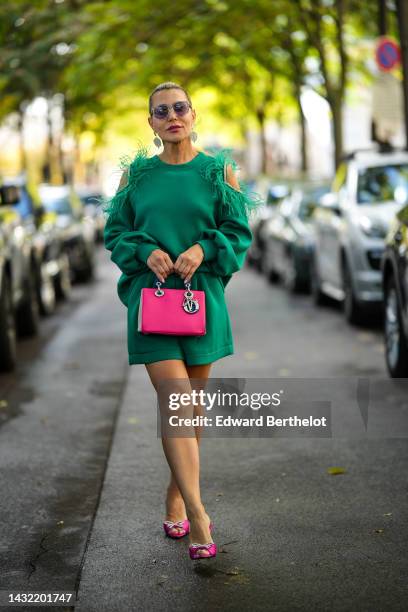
[{"x": 371, "y": 228}]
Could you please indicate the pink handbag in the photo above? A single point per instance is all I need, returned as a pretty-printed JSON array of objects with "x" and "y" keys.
[{"x": 179, "y": 312}]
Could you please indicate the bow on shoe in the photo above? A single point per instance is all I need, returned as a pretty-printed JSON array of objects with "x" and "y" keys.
[
  {"x": 210, "y": 547},
  {"x": 182, "y": 526}
]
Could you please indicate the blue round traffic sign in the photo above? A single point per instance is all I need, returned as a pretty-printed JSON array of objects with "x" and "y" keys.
[{"x": 387, "y": 53}]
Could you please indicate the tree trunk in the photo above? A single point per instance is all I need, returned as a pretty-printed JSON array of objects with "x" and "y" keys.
[
  {"x": 402, "y": 9},
  {"x": 20, "y": 128},
  {"x": 52, "y": 169},
  {"x": 303, "y": 136},
  {"x": 337, "y": 122},
  {"x": 260, "y": 114}
]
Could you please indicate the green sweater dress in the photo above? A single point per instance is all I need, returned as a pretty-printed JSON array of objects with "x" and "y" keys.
[{"x": 172, "y": 207}]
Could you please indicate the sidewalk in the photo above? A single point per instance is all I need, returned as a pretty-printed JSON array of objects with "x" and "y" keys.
[{"x": 290, "y": 536}]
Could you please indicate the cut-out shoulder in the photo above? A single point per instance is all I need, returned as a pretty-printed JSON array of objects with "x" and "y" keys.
[
  {"x": 230, "y": 178},
  {"x": 123, "y": 179}
]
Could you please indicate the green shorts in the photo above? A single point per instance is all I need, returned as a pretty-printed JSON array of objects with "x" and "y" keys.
[{"x": 217, "y": 342}]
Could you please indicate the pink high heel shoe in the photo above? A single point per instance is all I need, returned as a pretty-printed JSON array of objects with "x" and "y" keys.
[
  {"x": 184, "y": 528},
  {"x": 194, "y": 549}
]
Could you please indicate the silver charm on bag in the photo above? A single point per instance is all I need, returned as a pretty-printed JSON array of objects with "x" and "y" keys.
[
  {"x": 159, "y": 291},
  {"x": 189, "y": 304}
]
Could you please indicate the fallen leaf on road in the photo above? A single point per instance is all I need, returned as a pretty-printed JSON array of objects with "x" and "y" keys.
[
  {"x": 336, "y": 470},
  {"x": 378, "y": 530},
  {"x": 233, "y": 572},
  {"x": 236, "y": 576}
]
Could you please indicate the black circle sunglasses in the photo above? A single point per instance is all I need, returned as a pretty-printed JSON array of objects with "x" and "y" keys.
[{"x": 162, "y": 110}]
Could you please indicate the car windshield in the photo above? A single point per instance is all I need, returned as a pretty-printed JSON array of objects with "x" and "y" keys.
[
  {"x": 61, "y": 206},
  {"x": 382, "y": 183},
  {"x": 309, "y": 200}
]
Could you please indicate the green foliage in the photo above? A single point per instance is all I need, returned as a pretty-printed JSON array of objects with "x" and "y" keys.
[{"x": 106, "y": 56}]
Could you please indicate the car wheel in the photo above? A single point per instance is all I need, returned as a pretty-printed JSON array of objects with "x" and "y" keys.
[
  {"x": 62, "y": 280},
  {"x": 319, "y": 298},
  {"x": 46, "y": 291},
  {"x": 270, "y": 274},
  {"x": 88, "y": 272},
  {"x": 396, "y": 344},
  {"x": 291, "y": 278},
  {"x": 8, "y": 344},
  {"x": 28, "y": 314},
  {"x": 353, "y": 311}
]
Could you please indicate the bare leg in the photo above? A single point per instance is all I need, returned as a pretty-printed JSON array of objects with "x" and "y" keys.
[
  {"x": 183, "y": 454},
  {"x": 175, "y": 507},
  {"x": 200, "y": 372}
]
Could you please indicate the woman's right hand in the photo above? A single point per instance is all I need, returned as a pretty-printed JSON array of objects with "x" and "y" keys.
[{"x": 160, "y": 263}]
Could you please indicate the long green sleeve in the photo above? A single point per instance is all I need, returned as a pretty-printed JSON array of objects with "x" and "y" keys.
[
  {"x": 225, "y": 247},
  {"x": 129, "y": 248}
]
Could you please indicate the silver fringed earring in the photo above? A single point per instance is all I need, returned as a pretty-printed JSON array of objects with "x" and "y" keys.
[
  {"x": 193, "y": 136},
  {"x": 157, "y": 141}
]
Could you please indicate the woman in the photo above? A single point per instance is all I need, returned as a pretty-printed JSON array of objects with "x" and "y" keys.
[{"x": 179, "y": 217}]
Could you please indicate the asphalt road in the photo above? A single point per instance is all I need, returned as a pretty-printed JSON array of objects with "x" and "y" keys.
[{"x": 83, "y": 472}]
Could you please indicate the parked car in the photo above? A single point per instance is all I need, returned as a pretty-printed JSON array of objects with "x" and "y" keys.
[
  {"x": 289, "y": 239},
  {"x": 91, "y": 199},
  {"x": 351, "y": 223},
  {"x": 78, "y": 230},
  {"x": 19, "y": 303},
  {"x": 394, "y": 267},
  {"x": 52, "y": 261},
  {"x": 8, "y": 343},
  {"x": 274, "y": 195}
]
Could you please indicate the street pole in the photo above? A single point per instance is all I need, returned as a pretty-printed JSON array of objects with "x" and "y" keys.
[
  {"x": 402, "y": 15},
  {"x": 382, "y": 18}
]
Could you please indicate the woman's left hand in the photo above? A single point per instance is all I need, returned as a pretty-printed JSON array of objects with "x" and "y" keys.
[{"x": 188, "y": 261}]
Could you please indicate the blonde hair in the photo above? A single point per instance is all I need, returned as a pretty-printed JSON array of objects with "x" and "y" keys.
[{"x": 166, "y": 85}]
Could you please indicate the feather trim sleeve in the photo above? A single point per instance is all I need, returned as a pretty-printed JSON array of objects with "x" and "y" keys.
[
  {"x": 134, "y": 168},
  {"x": 225, "y": 246},
  {"x": 231, "y": 202}
]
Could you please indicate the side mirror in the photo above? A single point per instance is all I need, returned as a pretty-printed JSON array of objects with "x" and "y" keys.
[
  {"x": 9, "y": 195},
  {"x": 330, "y": 201}
]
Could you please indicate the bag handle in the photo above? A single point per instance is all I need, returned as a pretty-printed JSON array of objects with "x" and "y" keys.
[{"x": 159, "y": 292}]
